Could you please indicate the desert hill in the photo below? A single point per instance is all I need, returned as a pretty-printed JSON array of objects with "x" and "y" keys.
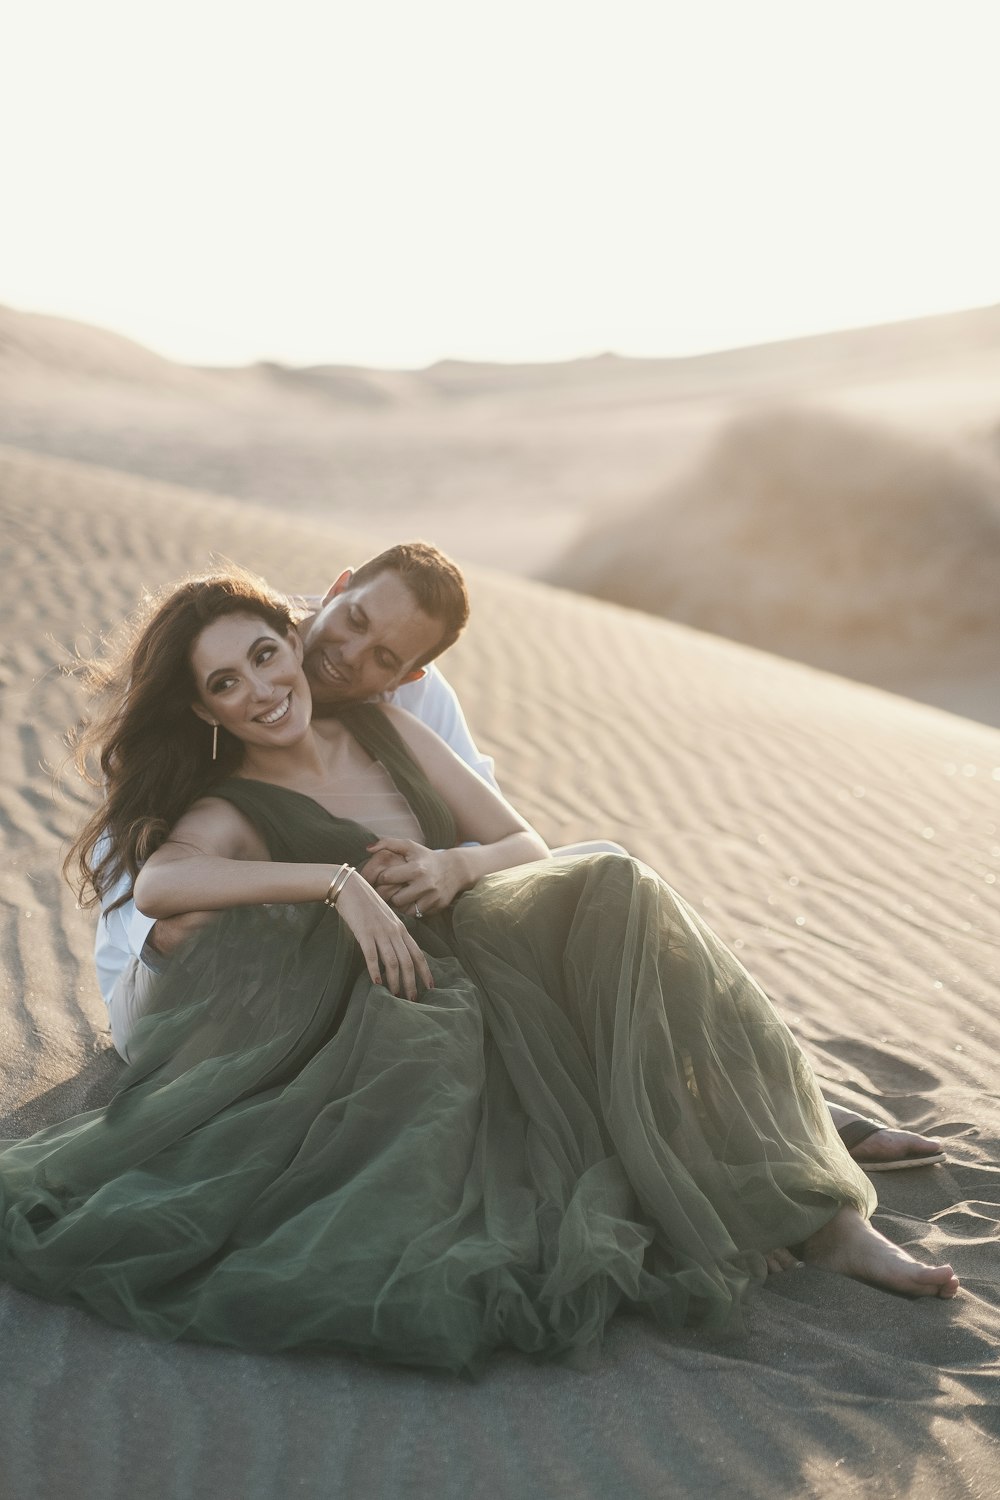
[
  {"x": 832, "y": 499},
  {"x": 504, "y": 464},
  {"x": 846, "y": 844},
  {"x": 826, "y": 538},
  {"x": 63, "y": 345}
]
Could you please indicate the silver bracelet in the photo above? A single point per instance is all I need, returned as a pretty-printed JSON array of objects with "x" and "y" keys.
[{"x": 337, "y": 884}]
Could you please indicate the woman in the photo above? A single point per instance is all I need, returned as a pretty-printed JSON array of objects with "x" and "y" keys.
[{"x": 415, "y": 1130}]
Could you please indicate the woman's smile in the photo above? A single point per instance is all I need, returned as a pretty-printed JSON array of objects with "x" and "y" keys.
[
  {"x": 250, "y": 678},
  {"x": 275, "y": 715}
]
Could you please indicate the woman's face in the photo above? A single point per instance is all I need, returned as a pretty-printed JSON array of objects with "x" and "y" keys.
[{"x": 250, "y": 681}]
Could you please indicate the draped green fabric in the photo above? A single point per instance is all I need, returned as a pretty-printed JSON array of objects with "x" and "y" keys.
[{"x": 596, "y": 1107}]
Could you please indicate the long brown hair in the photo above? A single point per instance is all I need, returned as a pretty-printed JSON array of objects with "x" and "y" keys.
[{"x": 143, "y": 743}]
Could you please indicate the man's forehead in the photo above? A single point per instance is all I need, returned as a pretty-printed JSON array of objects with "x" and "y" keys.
[
  {"x": 385, "y": 596},
  {"x": 394, "y": 614}
]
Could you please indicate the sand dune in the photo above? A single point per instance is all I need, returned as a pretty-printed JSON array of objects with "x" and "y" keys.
[
  {"x": 846, "y": 843},
  {"x": 504, "y": 464},
  {"x": 859, "y": 533},
  {"x": 834, "y": 541}
]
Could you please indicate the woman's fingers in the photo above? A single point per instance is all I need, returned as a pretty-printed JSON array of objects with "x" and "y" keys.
[
  {"x": 390, "y": 964},
  {"x": 414, "y": 969},
  {"x": 402, "y": 964},
  {"x": 407, "y": 975},
  {"x": 386, "y": 967},
  {"x": 370, "y": 953},
  {"x": 391, "y": 955},
  {"x": 420, "y": 962},
  {"x": 400, "y": 979}
]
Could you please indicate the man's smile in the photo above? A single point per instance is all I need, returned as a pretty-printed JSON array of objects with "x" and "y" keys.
[{"x": 334, "y": 673}]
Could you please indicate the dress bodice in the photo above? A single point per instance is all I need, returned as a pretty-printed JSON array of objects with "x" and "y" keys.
[{"x": 297, "y": 828}]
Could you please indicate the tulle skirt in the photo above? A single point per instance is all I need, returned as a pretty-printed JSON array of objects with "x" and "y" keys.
[{"x": 596, "y": 1107}]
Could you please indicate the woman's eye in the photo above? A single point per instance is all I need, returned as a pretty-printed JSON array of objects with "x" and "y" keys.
[{"x": 222, "y": 684}]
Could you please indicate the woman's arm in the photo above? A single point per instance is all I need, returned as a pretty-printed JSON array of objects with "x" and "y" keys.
[
  {"x": 431, "y": 879},
  {"x": 214, "y": 858}
]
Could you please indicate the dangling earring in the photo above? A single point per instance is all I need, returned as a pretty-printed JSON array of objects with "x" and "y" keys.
[{"x": 215, "y": 741}]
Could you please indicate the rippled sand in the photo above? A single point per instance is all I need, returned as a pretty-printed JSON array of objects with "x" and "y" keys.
[{"x": 847, "y": 843}]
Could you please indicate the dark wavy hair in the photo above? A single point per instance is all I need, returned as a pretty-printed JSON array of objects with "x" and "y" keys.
[{"x": 143, "y": 743}]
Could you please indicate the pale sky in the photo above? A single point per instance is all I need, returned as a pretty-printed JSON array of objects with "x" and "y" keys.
[{"x": 390, "y": 182}]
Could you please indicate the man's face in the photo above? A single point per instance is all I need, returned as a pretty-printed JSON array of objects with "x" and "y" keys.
[{"x": 366, "y": 640}]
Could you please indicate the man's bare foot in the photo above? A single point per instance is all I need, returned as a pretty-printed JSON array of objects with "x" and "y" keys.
[
  {"x": 851, "y": 1246},
  {"x": 886, "y": 1149}
]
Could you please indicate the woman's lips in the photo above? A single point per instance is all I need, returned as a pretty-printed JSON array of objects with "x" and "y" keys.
[{"x": 275, "y": 715}]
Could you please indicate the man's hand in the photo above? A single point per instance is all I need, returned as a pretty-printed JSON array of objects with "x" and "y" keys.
[
  {"x": 374, "y": 871},
  {"x": 169, "y": 933},
  {"x": 413, "y": 879}
]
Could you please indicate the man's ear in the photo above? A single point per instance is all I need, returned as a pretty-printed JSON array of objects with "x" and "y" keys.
[
  {"x": 413, "y": 676},
  {"x": 203, "y": 712},
  {"x": 338, "y": 587}
]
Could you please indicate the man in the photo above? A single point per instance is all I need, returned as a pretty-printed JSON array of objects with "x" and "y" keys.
[{"x": 375, "y": 634}]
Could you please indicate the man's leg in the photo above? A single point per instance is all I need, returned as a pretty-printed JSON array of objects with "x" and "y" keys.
[
  {"x": 593, "y": 846},
  {"x": 884, "y": 1148},
  {"x": 129, "y": 1000}
]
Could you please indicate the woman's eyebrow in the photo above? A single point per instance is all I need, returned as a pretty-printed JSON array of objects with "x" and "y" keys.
[{"x": 221, "y": 671}]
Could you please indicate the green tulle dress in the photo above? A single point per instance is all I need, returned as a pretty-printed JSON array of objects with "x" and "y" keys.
[{"x": 595, "y": 1108}]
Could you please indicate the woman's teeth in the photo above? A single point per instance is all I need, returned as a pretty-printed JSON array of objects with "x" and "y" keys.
[{"x": 275, "y": 714}]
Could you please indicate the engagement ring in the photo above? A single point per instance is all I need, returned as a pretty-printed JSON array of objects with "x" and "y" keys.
[{"x": 417, "y": 912}]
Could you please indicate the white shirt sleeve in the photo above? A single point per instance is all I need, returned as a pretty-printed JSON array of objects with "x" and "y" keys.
[
  {"x": 120, "y": 936},
  {"x": 434, "y": 701}
]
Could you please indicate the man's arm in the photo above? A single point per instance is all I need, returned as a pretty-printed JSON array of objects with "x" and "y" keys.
[
  {"x": 434, "y": 701},
  {"x": 121, "y": 936}
]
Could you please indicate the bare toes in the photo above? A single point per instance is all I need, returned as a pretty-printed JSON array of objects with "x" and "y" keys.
[{"x": 781, "y": 1260}]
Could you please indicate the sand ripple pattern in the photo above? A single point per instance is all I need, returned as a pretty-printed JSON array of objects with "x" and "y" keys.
[{"x": 845, "y": 842}]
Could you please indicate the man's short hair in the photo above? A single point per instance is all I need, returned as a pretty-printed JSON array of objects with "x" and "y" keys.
[{"x": 435, "y": 582}]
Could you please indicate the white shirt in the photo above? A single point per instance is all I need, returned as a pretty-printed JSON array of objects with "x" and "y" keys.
[{"x": 122, "y": 933}]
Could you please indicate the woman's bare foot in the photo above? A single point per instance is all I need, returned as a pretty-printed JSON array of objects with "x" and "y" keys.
[
  {"x": 781, "y": 1260},
  {"x": 851, "y": 1246},
  {"x": 887, "y": 1147}
]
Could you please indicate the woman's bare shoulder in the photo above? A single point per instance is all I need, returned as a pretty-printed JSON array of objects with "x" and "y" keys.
[{"x": 213, "y": 825}]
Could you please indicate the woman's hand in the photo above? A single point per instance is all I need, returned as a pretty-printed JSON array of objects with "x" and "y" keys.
[
  {"x": 383, "y": 939},
  {"x": 417, "y": 881}
]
